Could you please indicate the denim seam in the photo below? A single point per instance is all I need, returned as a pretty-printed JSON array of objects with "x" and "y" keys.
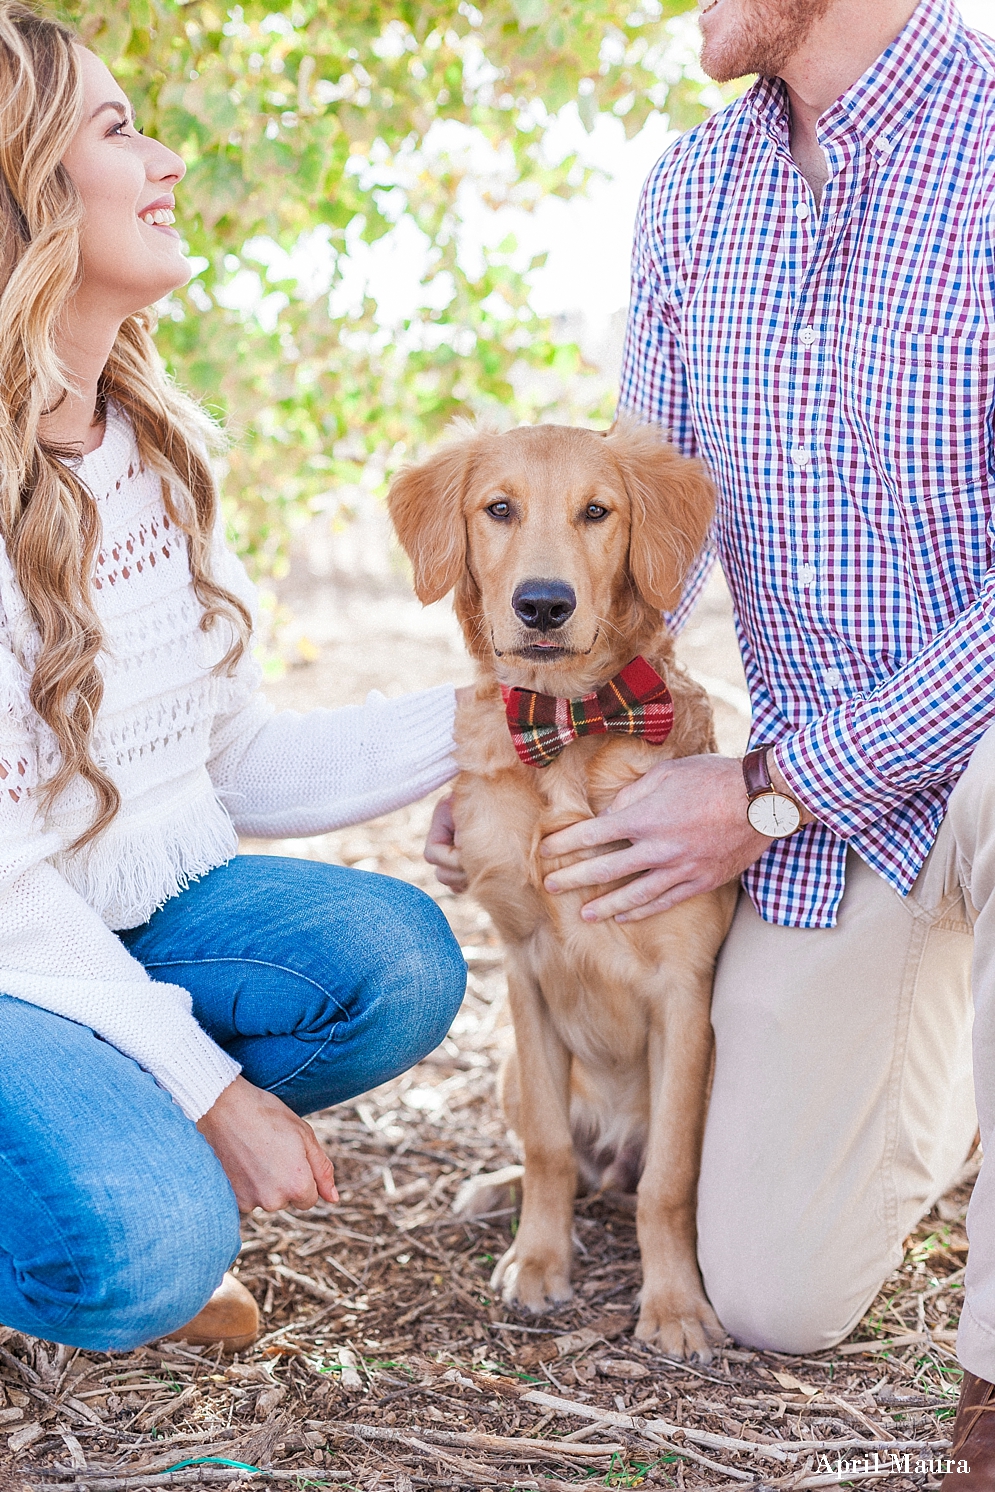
[
  {"x": 291, "y": 1077},
  {"x": 56, "y": 1231},
  {"x": 262, "y": 963}
]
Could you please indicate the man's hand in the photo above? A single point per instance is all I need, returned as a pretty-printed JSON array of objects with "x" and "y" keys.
[
  {"x": 686, "y": 824},
  {"x": 441, "y": 849},
  {"x": 271, "y": 1157}
]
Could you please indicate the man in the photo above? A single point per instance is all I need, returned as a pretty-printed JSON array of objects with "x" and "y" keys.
[{"x": 812, "y": 304}]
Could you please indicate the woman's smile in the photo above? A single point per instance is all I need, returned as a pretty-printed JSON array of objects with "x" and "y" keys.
[{"x": 159, "y": 214}]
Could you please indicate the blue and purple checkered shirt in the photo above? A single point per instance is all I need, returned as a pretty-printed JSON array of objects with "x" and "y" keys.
[{"x": 836, "y": 369}]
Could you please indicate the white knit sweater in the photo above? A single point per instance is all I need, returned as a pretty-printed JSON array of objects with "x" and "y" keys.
[{"x": 196, "y": 756}]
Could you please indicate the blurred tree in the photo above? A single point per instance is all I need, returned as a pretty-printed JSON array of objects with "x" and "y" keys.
[{"x": 310, "y": 128}]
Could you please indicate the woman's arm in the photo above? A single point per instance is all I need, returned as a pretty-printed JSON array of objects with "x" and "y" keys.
[
  {"x": 308, "y": 774},
  {"x": 285, "y": 775}
]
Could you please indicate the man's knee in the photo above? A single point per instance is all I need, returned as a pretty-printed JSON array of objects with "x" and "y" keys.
[{"x": 770, "y": 1309}]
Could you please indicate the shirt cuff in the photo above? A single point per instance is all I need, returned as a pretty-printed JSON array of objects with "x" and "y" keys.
[
  {"x": 827, "y": 768},
  {"x": 192, "y": 1068}
]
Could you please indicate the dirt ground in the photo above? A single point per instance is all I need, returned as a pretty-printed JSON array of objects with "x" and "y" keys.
[{"x": 386, "y": 1361}]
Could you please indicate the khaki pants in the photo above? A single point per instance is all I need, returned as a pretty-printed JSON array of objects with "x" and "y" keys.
[{"x": 843, "y": 1102}]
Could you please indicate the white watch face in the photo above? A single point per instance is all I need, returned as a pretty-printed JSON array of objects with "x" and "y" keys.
[{"x": 774, "y": 815}]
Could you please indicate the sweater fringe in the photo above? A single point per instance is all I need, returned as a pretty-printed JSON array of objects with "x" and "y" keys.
[{"x": 132, "y": 870}]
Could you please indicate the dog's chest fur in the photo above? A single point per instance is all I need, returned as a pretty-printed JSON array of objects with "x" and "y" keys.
[{"x": 503, "y": 809}]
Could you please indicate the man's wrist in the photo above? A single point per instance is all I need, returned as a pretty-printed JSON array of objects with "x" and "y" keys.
[{"x": 778, "y": 781}]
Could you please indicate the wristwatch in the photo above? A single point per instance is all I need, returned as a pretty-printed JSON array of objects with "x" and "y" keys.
[{"x": 770, "y": 812}]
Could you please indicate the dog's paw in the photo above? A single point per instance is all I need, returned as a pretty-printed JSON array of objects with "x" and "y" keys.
[
  {"x": 533, "y": 1283},
  {"x": 490, "y": 1192},
  {"x": 685, "y": 1327}
]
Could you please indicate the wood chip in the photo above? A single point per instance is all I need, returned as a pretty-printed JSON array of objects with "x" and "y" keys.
[
  {"x": 656, "y": 1427},
  {"x": 888, "y": 1344},
  {"x": 313, "y": 1287},
  {"x": 621, "y": 1367},
  {"x": 349, "y": 1377},
  {"x": 74, "y": 1448},
  {"x": 788, "y": 1380},
  {"x": 26, "y": 1435},
  {"x": 157, "y": 1414},
  {"x": 575, "y": 1341},
  {"x": 268, "y": 1400}
]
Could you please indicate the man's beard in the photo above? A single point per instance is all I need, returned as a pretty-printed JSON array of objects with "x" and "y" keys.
[{"x": 770, "y": 32}]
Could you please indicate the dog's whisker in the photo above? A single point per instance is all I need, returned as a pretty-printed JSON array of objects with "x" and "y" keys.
[{"x": 609, "y": 625}]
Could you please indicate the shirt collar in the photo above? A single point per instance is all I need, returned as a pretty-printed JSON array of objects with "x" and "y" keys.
[
  {"x": 767, "y": 101},
  {"x": 892, "y": 90}
]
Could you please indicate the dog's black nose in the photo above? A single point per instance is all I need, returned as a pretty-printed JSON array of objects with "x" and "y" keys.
[{"x": 544, "y": 605}]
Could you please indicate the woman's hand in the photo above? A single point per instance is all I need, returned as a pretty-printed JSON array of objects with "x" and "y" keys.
[
  {"x": 271, "y": 1157},
  {"x": 441, "y": 849}
]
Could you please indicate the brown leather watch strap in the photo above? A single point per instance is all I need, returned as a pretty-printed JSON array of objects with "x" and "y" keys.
[{"x": 755, "y": 773}]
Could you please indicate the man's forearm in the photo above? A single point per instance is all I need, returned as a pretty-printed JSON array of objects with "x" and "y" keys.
[{"x": 868, "y": 756}]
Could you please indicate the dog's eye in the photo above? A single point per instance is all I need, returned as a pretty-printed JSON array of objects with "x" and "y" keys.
[
  {"x": 500, "y": 509},
  {"x": 594, "y": 512}
]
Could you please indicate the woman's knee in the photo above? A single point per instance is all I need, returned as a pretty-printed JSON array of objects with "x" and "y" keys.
[
  {"x": 390, "y": 995},
  {"x": 360, "y": 937},
  {"x": 421, "y": 961},
  {"x": 142, "y": 1260},
  {"x": 193, "y": 1239}
]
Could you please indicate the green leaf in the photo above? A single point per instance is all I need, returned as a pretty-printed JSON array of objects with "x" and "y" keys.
[
  {"x": 530, "y": 12},
  {"x": 587, "y": 108}
]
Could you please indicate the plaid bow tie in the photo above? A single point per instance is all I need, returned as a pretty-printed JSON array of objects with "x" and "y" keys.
[{"x": 636, "y": 702}]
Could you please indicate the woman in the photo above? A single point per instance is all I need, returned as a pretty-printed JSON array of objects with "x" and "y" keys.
[{"x": 167, "y": 1011}]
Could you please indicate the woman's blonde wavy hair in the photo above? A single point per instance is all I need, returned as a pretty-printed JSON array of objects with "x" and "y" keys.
[{"x": 48, "y": 518}]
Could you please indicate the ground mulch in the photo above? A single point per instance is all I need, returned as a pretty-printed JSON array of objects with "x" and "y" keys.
[{"x": 387, "y": 1362}]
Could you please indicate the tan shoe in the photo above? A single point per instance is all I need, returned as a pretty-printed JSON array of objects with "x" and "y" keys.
[{"x": 231, "y": 1316}]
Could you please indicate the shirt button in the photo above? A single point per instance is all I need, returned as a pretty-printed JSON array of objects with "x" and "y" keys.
[
  {"x": 832, "y": 678},
  {"x": 806, "y": 574},
  {"x": 801, "y": 211},
  {"x": 800, "y": 456},
  {"x": 808, "y": 336}
]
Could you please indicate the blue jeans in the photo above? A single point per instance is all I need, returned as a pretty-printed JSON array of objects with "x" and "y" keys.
[{"x": 116, "y": 1220}]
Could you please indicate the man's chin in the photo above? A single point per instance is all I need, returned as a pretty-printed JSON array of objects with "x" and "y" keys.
[
  {"x": 760, "y": 41},
  {"x": 722, "y": 69},
  {"x": 725, "y": 59}
]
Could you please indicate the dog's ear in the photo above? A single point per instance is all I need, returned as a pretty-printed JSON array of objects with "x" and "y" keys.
[
  {"x": 672, "y": 500},
  {"x": 426, "y": 508}
]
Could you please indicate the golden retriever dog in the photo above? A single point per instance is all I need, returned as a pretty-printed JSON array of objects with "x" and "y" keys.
[{"x": 563, "y": 546}]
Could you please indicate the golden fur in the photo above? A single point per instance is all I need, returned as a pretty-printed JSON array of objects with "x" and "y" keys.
[{"x": 607, "y": 1084}]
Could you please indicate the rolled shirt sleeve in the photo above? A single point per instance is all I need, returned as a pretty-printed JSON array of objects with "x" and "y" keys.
[{"x": 854, "y": 764}]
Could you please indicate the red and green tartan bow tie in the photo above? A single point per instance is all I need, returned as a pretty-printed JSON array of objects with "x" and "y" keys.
[{"x": 636, "y": 702}]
